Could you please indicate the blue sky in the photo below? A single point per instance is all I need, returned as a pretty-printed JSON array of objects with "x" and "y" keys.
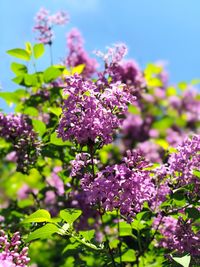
[{"x": 153, "y": 30}]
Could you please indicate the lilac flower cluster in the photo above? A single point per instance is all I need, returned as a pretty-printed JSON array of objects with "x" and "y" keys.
[
  {"x": 117, "y": 69},
  {"x": 114, "y": 54},
  {"x": 188, "y": 104},
  {"x": 136, "y": 129},
  {"x": 124, "y": 186},
  {"x": 45, "y": 22},
  {"x": 77, "y": 55},
  {"x": 183, "y": 163},
  {"x": 79, "y": 163},
  {"x": 55, "y": 181},
  {"x": 15, "y": 129},
  {"x": 91, "y": 116},
  {"x": 177, "y": 235},
  {"x": 151, "y": 151},
  {"x": 131, "y": 75},
  {"x": 11, "y": 255}
]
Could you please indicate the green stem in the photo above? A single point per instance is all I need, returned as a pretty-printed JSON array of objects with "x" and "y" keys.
[
  {"x": 107, "y": 240},
  {"x": 120, "y": 243},
  {"x": 51, "y": 54}
]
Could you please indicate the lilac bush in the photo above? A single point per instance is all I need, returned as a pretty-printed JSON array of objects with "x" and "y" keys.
[{"x": 100, "y": 162}]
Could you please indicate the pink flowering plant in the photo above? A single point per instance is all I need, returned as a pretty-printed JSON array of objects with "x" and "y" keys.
[{"x": 100, "y": 160}]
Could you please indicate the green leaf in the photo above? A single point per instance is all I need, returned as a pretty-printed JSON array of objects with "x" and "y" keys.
[
  {"x": 51, "y": 74},
  {"x": 132, "y": 109},
  {"x": 38, "y": 216},
  {"x": 19, "y": 79},
  {"x": 13, "y": 97},
  {"x": 31, "y": 111},
  {"x": 28, "y": 48},
  {"x": 128, "y": 256},
  {"x": 163, "y": 124},
  {"x": 125, "y": 229},
  {"x": 30, "y": 80},
  {"x": 88, "y": 235},
  {"x": 196, "y": 173},
  {"x": 78, "y": 69},
  {"x": 193, "y": 213},
  {"x": 39, "y": 127},
  {"x": 70, "y": 215},
  {"x": 58, "y": 141},
  {"x": 56, "y": 110},
  {"x": 19, "y": 53},
  {"x": 9, "y": 97},
  {"x": 183, "y": 261},
  {"x": 44, "y": 232},
  {"x": 18, "y": 68},
  {"x": 38, "y": 50},
  {"x": 163, "y": 143}
]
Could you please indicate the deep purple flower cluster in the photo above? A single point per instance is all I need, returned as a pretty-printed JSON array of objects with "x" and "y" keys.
[
  {"x": 77, "y": 55},
  {"x": 11, "y": 255},
  {"x": 124, "y": 186},
  {"x": 178, "y": 235},
  {"x": 183, "y": 164},
  {"x": 44, "y": 23},
  {"x": 131, "y": 74},
  {"x": 15, "y": 129},
  {"x": 90, "y": 115}
]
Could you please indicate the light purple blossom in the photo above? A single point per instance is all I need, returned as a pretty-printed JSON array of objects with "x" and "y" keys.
[
  {"x": 55, "y": 181},
  {"x": 177, "y": 235},
  {"x": 10, "y": 253},
  {"x": 77, "y": 55},
  {"x": 44, "y": 23},
  {"x": 185, "y": 161}
]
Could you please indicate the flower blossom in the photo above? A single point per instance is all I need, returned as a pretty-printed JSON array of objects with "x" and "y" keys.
[
  {"x": 10, "y": 253},
  {"x": 15, "y": 129},
  {"x": 77, "y": 55},
  {"x": 89, "y": 116},
  {"x": 184, "y": 162},
  {"x": 45, "y": 22},
  {"x": 177, "y": 235},
  {"x": 124, "y": 186}
]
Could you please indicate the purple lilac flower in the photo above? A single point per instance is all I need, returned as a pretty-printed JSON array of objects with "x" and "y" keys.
[
  {"x": 124, "y": 186},
  {"x": 177, "y": 235},
  {"x": 136, "y": 129},
  {"x": 79, "y": 163},
  {"x": 44, "y": 23},
  {"x": 151, "y": 151},
  {"x": 131, "y": 74},
  {"x": 15, "y": 129},
  {"x": 88, "y": 116},
  {"x": 77, "y": 55},
  {"x": 188, "y": 104},
  {"x": 183, "y": 163},
  {"x": 175, "y": 137},
  {"x": 114, "y": 54},
  {"x": 55, "y": 181},
  {"x": 10, "y": 253},
  {"x": 161, "y": 181},
  {"x": 24, "y": 191}
]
